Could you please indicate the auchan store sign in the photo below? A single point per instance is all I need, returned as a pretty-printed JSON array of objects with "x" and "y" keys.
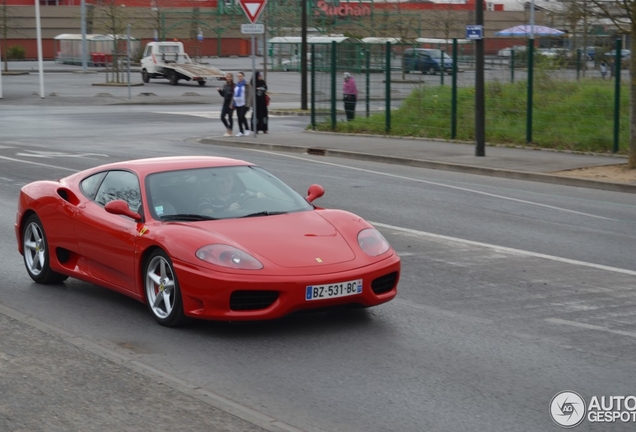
[{"x": 343, "y": 9}]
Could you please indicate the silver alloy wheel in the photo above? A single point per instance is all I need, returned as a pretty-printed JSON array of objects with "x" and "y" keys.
[
  {"x": 160, "y": 287},
  {"x": 34, "y": 248}
]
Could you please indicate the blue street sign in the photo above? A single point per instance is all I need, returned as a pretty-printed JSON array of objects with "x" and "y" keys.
[{"x": 474, "y": 32}]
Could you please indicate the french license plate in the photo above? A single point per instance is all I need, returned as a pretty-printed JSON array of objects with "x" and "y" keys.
[{"x": 339, "y": 289}]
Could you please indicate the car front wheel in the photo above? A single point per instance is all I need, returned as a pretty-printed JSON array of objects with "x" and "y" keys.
[
  {"x": 36, "y": 253},
  {"x": 163, "y": 295},
  {"x": 145, "y": 77}
]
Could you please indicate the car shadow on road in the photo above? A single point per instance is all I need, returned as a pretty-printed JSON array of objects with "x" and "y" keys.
[{"x": 331, "y": 321}]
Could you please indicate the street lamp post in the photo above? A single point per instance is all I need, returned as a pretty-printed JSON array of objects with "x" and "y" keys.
[{"x": 303, "y": 57}]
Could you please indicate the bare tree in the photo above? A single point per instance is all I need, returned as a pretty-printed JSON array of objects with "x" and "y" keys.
[
  {"x": 113, "y": 19},
  {"x": 445, "y": 23},
  {"x": 7, "y": 27}
]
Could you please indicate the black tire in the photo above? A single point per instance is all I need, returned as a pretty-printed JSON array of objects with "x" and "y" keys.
[
  {"x": 36, "y": 253},
  {"x": 174, "y": 79},
  {"x": 202, "y": 83},
  {"x": 431, "y": 71},
  {"x": 163, "y": 295},
  {"x": 144, "y": 76}
]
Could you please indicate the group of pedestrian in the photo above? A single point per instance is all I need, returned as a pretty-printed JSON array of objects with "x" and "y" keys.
[{"x": 239, "y": 97}]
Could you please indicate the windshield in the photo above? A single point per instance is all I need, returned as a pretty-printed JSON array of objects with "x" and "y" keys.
[
  {"x": 219, "y": 193},
  {"x": 436, "y": 54}
]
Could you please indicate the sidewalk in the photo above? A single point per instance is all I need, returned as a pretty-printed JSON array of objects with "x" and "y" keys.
[
  {"x": 505, "y": 162},
  {"x": 53, "y": 381}
]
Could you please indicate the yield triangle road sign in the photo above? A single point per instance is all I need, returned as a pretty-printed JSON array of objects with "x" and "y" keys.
[{"x": 253, "y": 8}]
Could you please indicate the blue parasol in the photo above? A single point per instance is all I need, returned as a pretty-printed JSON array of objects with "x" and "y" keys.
[{"x": 525, "y": 30}]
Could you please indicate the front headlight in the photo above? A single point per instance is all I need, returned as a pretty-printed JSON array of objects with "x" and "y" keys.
[
  {"x": 372, "y": 242},
  {"x": 228, "y": 256}
]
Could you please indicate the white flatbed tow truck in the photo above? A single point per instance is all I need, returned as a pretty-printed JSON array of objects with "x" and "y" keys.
[{"x": 168, "y": 60}]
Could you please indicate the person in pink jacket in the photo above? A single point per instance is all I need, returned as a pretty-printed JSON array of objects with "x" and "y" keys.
[{"x": 349, "y": 95}]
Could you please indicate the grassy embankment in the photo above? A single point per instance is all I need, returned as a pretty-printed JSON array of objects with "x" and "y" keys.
[{"x": 573, "y": 115}]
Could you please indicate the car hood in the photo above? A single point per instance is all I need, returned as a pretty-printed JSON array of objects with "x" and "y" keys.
[{"x": 291, "y": 240}]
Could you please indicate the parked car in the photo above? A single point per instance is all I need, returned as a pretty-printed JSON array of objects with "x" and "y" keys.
[
  {"x": 554, "y": 52},
  {"x": 426, "y": 61},
  {"x": 507, "y": 52},
  {"x": 159, "y": 230},
  {"x": 625, "y": 54},
  {"x": 590, "y": 52},
  {"x": 294, "y": 62}
]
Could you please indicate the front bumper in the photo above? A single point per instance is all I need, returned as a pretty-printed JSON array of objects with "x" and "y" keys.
[{"x": 213, "y": 296}]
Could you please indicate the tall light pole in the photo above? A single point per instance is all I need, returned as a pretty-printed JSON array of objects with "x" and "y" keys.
[
  {"x": 303, "y": 57},
  {"x": 84, "y": 44}
]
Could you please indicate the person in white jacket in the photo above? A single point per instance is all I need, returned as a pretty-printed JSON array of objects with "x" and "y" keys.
[{"x": 242, "y": 101}]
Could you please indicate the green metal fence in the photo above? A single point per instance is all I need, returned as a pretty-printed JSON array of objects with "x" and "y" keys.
[{"x": 543, "y": 98}]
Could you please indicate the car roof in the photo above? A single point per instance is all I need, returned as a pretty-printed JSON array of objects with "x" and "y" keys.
[{"x": 172, "y": 163}]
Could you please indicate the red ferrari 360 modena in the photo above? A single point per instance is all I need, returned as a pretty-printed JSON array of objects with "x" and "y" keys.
[{"x": 202, "y": 237}]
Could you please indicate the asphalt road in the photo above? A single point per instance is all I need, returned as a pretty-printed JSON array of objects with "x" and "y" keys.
[{"x": 511, "y": 291}]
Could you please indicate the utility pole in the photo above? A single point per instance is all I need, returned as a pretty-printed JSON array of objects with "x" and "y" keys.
[
  {"x": 480, "y": 106},
  {"x": 303, "y": 57}
]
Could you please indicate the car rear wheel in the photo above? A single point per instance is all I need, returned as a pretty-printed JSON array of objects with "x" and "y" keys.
[
  {"x": 202, "y": 83},
  {"x": 163, "y": 295},
  {"x": 36, "y": 253}
]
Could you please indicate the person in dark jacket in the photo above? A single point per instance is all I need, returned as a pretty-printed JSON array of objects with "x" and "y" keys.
[
  {"x": 261, "y": 103},
  {"x": 227, "y": 91}
]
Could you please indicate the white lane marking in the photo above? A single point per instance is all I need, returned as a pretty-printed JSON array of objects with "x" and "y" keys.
[
  {"x": 50, "y": 154},
  {"x": 37, "y": 163},
  {"x": 405, "y": 178},
  {"x": 506, "y": 249},
  {"x": 442, "y": 185},
  {"x": 590, "y": 327},
  {"x": 205, "y": 114}
]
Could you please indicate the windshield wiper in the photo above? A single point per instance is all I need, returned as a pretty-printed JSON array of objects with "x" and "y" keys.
[
  {"x": 187, "y": 217},
  {"x": 264, "y": 213}
]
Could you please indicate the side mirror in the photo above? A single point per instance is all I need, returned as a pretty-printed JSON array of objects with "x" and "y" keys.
[
  {"x": 315, "y": 191},
  {"x": 120, "y": 207}
]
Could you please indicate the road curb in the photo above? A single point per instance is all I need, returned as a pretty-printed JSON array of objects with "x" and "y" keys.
[{"x": 423, "y": 163}]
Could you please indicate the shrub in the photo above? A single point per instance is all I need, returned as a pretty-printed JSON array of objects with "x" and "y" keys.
[{"x": 16, "y": 52}]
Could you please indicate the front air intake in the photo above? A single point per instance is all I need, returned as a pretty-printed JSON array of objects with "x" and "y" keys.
[
  {"x": 384, "y": 283},
  {"x": 252, "y": 300}
]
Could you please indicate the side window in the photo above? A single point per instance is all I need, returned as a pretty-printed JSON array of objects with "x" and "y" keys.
[
  {"x": 90, "y": 184},
  {"x": 120, "y": 185}
]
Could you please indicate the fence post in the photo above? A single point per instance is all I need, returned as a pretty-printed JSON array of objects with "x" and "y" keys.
[
  {"x": 617, "y": 92},
  {"x": 454, "y": 92},
  {"x": 333, "y": 85},
  {"x": 441, "y": 72},
  {"x": 387, "y": 89},
  {"x": 530, "y": 91},
  {"x": 512, "y": 66},
  {"x": 368, "y": 78},
  {"x": 578, "y": 64}
]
